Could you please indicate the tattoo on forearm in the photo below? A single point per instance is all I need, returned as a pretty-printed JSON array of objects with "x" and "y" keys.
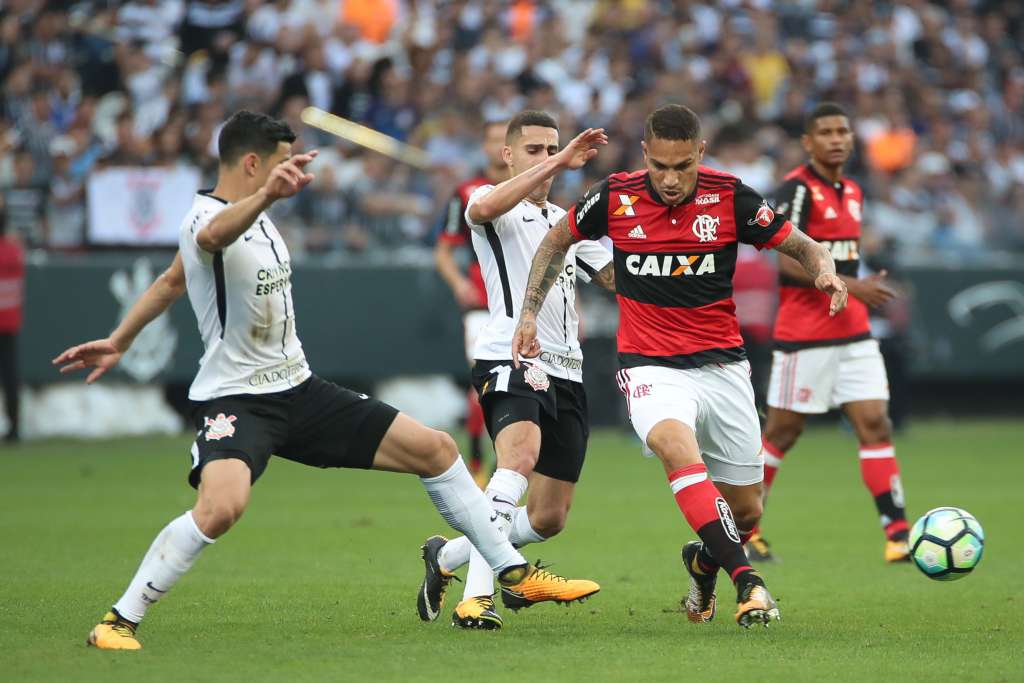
[
  {"x": 814, "y": 258},
  {"x": 547, "y": 264},
  {"x": 606, "y": 277}
]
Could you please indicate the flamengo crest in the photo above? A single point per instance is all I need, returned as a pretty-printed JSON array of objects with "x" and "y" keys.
[
  {"x": 219, "y": 427},
  {"x": 705, "y": 227}
]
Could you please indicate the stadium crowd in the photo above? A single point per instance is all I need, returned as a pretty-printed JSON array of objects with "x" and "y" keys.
[{"x": 937, "y": 89}]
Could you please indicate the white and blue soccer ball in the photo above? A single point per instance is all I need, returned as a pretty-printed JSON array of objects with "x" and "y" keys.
[{"x": 946, "y": 544}]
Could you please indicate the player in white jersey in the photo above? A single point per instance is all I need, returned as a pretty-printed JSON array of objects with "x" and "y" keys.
[
  {"x": 254, "y": 394},
  {"x": 536, "y": 415}
]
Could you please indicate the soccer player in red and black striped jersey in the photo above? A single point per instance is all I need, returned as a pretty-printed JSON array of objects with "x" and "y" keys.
[
  {"x": 824, "y": 362},
  {"x": 467, "y": 284},
  {"x": 675, "y": 227}
]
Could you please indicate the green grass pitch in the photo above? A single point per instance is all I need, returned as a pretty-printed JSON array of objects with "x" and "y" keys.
[{"x": 318, "y": 580}]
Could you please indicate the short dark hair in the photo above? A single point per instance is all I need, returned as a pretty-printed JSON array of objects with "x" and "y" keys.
[
  {"x": 672, "y": 122},
  {"x": 248, "y": 131},
  {"x": 822, "y": 110},
  {"x": 528, "y": 117}
]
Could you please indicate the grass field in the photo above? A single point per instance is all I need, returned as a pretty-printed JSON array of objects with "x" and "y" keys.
[{"x": 318, "y": 581}]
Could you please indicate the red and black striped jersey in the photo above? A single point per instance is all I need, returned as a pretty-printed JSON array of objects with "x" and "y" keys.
[
  {"x": 674, "y": 264},
  {"x": 829, "y": 213},
  {"x": 457, "y": 233}
]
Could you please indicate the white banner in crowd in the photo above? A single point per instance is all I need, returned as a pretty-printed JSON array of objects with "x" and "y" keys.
[{"x": 139, "y": 206}]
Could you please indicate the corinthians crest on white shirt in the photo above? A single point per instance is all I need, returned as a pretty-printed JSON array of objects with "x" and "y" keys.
[
  {"x": 537, "y": 378},
  {"x": 705, "y": 227}
]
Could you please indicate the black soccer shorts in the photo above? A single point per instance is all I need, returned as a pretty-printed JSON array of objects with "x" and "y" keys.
[
  {"x": 557, "y": 406},
  {"x": 317, "y": 423}
]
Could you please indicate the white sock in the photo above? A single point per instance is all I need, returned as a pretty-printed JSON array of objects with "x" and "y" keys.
[
  {"x": 464, "y": 506},
  {"x": 455, "y": 553},
  {"x": 503, "y": 492},
  {"x": 172, "y": 553},
  {"x": 522, "y": 532}
]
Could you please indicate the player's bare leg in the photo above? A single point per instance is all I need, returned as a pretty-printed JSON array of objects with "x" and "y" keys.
[
  {"x": 223, "y": 496},
  {"x": 881, "y": 472},
  {"x": 409, "y": 446},
  {"x": 707, "y": 512},
  {"x": 476, "y": 430},
  {"x": 782, "y": 429}
]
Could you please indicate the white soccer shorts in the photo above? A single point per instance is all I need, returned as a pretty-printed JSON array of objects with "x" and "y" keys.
[
  {"x": 716, "y": 401},
  {"x": 816, "y": 379},
  {"x": 473, "y": 322}
]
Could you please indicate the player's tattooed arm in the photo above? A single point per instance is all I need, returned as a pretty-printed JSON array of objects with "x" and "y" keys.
[
  {"x": 547, "y": 265},
  {"x": 605, "y": 277},
  {"x": 817, "y": 262}
]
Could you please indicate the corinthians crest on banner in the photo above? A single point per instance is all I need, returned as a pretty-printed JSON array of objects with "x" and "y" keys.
[{"x": 152, "y": 351}]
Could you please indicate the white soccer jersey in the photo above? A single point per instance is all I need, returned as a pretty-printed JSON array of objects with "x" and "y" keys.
[
  {"x": 505, "y": 248},
  {"x": 242, "y": 298}
]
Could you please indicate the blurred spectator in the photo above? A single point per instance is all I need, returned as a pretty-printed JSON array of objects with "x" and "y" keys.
[
  {"x": 25, "y": 202},
  {"x": 936, "y": 90},
  {"x": 65, "y": 210}
]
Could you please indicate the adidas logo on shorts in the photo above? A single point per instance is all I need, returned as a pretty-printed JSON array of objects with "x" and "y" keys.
[{"x": 637, "y": 233}]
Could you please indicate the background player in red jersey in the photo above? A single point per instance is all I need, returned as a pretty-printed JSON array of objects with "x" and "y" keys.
[
  {"x": 467, "y": 284},
  {"x": 823, "y": 362},
  {"x": 675, "y": 228}
]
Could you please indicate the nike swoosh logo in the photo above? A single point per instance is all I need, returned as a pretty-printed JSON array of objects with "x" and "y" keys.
[
  {"x": 502, "y": 501},
  {"x": 149, "y": 584},
  {"x": 494, "y": 516},
  {"x": 248, "y": 237},
  {"x": 529, "y": 220}
]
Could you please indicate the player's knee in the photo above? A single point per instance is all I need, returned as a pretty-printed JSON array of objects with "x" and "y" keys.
[
  {"x": 670, "y": 450},
  {"x": 875, "y": 429},
  {"x": 518, "y": 449},
  {"x": 550, "y": 521},
  {"x": 215, "y": 517},
  {"x": 439, "y": 452},
  {"x": 747, "y": 514},
  {"x": 783, "y": 435}
]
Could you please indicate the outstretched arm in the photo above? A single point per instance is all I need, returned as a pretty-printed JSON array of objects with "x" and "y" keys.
[
  {"x": 818, "y": 264},
  {"x": 547, "y": 264},
  {"x": 507, "y": 194},
  {"x": 103, "y": 354}
]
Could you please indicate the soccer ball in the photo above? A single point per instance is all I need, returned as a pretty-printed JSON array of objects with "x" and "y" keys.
[{"x": 947, "y": 543}]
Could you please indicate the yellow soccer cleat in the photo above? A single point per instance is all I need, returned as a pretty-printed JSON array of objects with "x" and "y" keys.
[
  {"x": 114, "y": 633},
  {"x": 477, "y": 613},
  {"x": 897, "y": 551},
  {"x": 700, "y": 601},
  {"x": 758, "y": 549},
  {"x": 755, "y": 605},
  {"x": 540, "y": 585}
]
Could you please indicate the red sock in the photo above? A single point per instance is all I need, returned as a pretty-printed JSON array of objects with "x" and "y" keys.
[
  {"x": 773, "y": 456},
  {"x": 709, "y": 515},
  {"x": 881, "y": 475}
]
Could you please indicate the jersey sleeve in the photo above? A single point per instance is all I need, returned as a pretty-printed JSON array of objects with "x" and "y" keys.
[
  {"x": 478, "y": 193},
  {"x": 756, "y": 222},
  {"x": 591, "y": 257},
  {"x": 588, "y": 220},
  {"x": 199, "y": 219},
  {"x": 454, "y": 227},
  {"x": 793, "y": 200}
]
